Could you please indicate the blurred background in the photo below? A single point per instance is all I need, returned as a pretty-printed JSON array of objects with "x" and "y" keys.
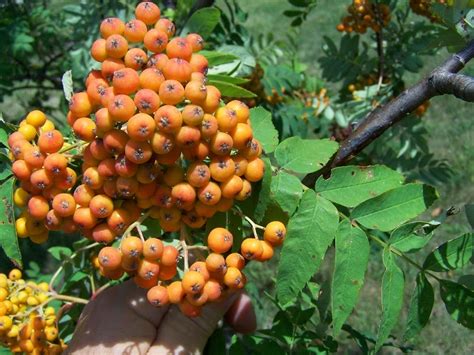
[{"x": 287, "y": 58}]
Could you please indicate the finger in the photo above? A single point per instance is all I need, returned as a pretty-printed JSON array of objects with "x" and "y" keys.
[
  {"x": 241, "y": 315},
  {"x": 180, "y": 334},
  {"x": 115, "y": 323}
]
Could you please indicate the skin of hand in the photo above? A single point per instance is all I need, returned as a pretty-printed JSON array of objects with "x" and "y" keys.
[{"x": 120, "y": 320}]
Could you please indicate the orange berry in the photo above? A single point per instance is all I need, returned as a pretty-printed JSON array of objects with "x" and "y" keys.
[
  {"x": 231, "y": 187},
  {"x": 83, "y": 194},
  {"x": 84, "y": 128},
  {"x": 195, "y": 91},
  {"x": 177, "y": 69},
  {"x": 251, "y": 248},
  {"x": 267, "y": 252},
  {"x": 255, "y": 170},
  {"x": 155, "y": 40},
  {"x": 241, "y": 109},
  {"x": 192, "y": 115},
  {"x": 110, "y": 26},
  {"x": 84, "y": 218},
  {"x": 80, "y": 104},
  {"x": 274, "y": 233},
  {"x": 101, "y": 206},
  {"x": 233, "y": 278},
  {"x": 216, "y": 263},
  {"x": 116, "y": 46},
  {"x": 147, "y": 12},
  {"x": 135, "y": 30},
  {"x": 209, "y": 194},
  {"x": 198, "y": 174},
  {"x": 175, "y": 292},
  {"x": 98, "y": 51},
  {"x": 108, "y": 68},
  {"x": 119, "y": 220},
  {"x": 171, "y": 92},
  {"x": 199, "y": 63},
  {"x": 147, "y": 101},
  {"x": 158, "y": 296},
  {"x": 148, "y": 269},
  {"x": 141, "y": 127},
  {"x": 22, "y": 170},
  {"x": 126, "y": 81},
  {"x": 167, "y": 26},
  {"x": 193, "y": 282},
  {"x": 221, "y": 143},
  {"x": 170, "y": 256},
  {"x": 64, "y": 205},
  {"x": 102, "y": 233},
  {"x": 188, "y": 136},
  {"x": 110, "y": 258},
  {"x": 135, "y": 58},
  {"x": 151, "y": 78},
  {"x": 38, "y": 207},
  {"x": 179, "y": 48},
  {"x": 121, "y": 107},
  {"x": 50, "y": 142},
  {"x": 115, "y": 141},
  {"x": 242, "y": 135},
  {"x": 235, "y": 260},
  {"x": 158, "y": 61},
  {"x": 131, "y": 247},
  {"x": 167, "y": 272},
  {"x": 219, "y": 240},
  {"x": 138, "y": 152},
  {"x": 152, "y": 249},
  {"x": 196, "y": 41},
  {"x": 168, "y": 119},
  {"x": 222, "y": 168}
]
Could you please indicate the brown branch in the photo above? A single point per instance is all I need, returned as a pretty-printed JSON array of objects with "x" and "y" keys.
[{"x": 442, "y": 80}]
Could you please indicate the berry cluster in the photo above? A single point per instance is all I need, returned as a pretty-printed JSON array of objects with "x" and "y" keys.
[
  {"x": 423, "y": 8},
  {"x": 155, "y": 141},
  {"x": 154, "y": 265},
  {"x": 25, "y": 325},
  {"x": 40, "y": 164},
  {"x": 365, "y": 14}
]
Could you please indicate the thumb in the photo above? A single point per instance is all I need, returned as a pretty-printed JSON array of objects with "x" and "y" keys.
[{"x": 180, "y": 334}]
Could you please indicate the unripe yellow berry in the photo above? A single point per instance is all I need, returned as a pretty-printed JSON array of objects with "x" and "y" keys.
[
  {"x": 3, "y": 294},
  {"x": 5, "y": 323},
  {"x": 28, "y": 131},
  {"x": 14, "y": 275},
  {"x": 36, "y": 118},
  {"x": 48, "y": 126},
  {"x": 20, "y": 197},
  {"x": 43, "y": 286},
  {"x": 14, "y": 331},
  {"x": 32, "y": 301}
]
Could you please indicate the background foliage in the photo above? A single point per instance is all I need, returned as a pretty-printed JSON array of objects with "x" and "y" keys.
[{"x": 302, "y": 76}]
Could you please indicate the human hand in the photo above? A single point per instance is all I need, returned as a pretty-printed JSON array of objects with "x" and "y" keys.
[{"x": 121, "y": 321}]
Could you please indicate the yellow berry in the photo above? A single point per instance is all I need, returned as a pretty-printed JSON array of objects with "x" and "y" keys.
[
  {"x": 13, "y": 332},
  {"x": 28, "y": 131},
  {"x": 43, "y": 286},
  {"x": 22, "y": 296},
  {"x": 49, "y": 311},
  {"x": 48, "y": 126},
  {"x": 14, "y": 275},
  {"x": 32, "y": 301},
  {"x": 39, "y": 238},
  {"x": 42, "y": 297},
  {"x": 51, "y": 333},
  {"x": 20, "y": 226},
  {"x": 20, "y": 197},
  {"x": 5, "y": 323},
  {"x": 36, "y": 118},
  {"x": 3, "y": 294}
]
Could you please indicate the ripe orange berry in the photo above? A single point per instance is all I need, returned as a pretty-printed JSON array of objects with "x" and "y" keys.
[
  {"x": 103, "y": 121},
  {"x": 135, "y": 30},
  {"x": 241, "y": 109},
  {"x": 121, "y": 107},
  {"x": 96, "y": 90},
  {"x": 171, "y": 92},
  {"x": 52, "y": 221},
  {"x": 158, "y": 296},
  {"x": 145, "y": 283},
  {"x": 253, "y": 150},
  {"x": 204, "y": 210},
  {"x": 135, "y": 58},
  {"x": 83, "y": 194},
  {"x": 119, "y": 220},
  {"x": 152, "y": 249},
  {"x": 235, "y": 260},
  {"x": 155, "y": 40},
  {"x": 226, "y": 119},
  {"x": 115, "y": 141},
  {"x": 212, "y": 101},
  {"x": 92, "y": 178},
  {"x": 195, "y": 91},
  {"x": 131, "y": 247},
  {"x": 179, "y": 48},
  {"x": 199, "y": 151},
  {"x": 66, "y": 180},
  {"x": 147, "y": 101},
  {"x": 41, "y": 179},
  {"x": 255, "y": 170},
  {"x": 126, "y": 81},
  {"x": 177, "y": 69},
  {"x": 116, "y": 46},
  {"x": 167, "y": 26},
  {"x": 138, "y": 152},
  {"x": 233, "y": 278},
  {"x": 50, "y": 142},
  {"x": 199, "y": 63},
  {"x": 242, "y": 135},
  {"x": 196, "y": 41},
  {"x": 167, "y": 272},
  {"x": 251, "y": 248},
  {"x": 141, "y": 127},
  {"x": 102, "y": 233},
  {"x": 110, "y": 26},
  {"x": 22, "y": 170},
  {"x": 245, "y": 192},
  {"x": 231, "y": 187},
  {"x": 209, "y": 194},
  {"x": 188, "y": 136},
  {"x": 216, "y": 263},
  {"x": 158, "y": 61},
  {"x": 38, "y": 207},
  {"x": 80, "y": 104},
  {"x": 168, "y": 119},
  {"x": 84, "y": 128},
  {"x": 108, "y": 67},
  {"x": 84, "y": 218},
  {"x": 240, "y": 165},
  {"x": 220, "y": 240},
  {"x": 184, "y": 195},
  {"x": 221, "y": 143},
  {"x": 197, "y": 299},
  {"x": 222, "y": 168},
  {"x": 198, "y": 174},
  {"x": 126, "y": 187},
  {"x": 147, "y": 12},
  {"x": 175, "y": 292},
  {"x": 173, "y": 175},
  {"x": 110, "y": 258},
  {"x": 192, "y": 115},
  {"x": 267, "y": 252},
  {"x": 98, "y": 50},
  {"x": 169, "y": 256},
  {"x": 151, "y": 78},
  {"x": 101, "y": 206},
  {"x": 148, "y": 269},
  {"x": 193, "y": 282},
  {"x": 64, "y": 205},
  {"x": 275, "y": 233}
]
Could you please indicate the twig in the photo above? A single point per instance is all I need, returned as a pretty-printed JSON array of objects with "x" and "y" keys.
[{"x": 442, "y": 80}]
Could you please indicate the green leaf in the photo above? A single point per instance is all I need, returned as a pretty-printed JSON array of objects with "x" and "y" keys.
[
  {"x": 263, "y": 129},
  {"x": 286, "y": 190},
  {"x": 469, "y": 209},
  {"x": 202, "y": 21},
  {"x": 4, "y": 131},
  {"x": 68, "y": 87},
  {"x": 151, "y": 228},
  {"x": 311, "y": 231},
  {"x": 231, "y": 90},
  {"x": 453, "y": 254},
  {"x": 352, "y": 256},
  {"x": 227, "y": 78},
  {"x": 264, "y": 192},
  {"x": 459, "y": 302},
  {"x": 60, "y": 253},
  {"x": 304, "y": 155},
  {"x": 413, "y": 236},
  {"x": 392, "y": 297},
  {"x": 421, "y": 304},
  {"x": 8, "y": 238},
  {"x": 216, "y": 58},
  {"x": 389, "y": 210},
  {"x": 5, "y": 167},
  {"x": 350, "y": 185}
]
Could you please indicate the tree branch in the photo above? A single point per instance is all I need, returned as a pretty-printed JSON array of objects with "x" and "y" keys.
[{"x": 442, "y": 80}]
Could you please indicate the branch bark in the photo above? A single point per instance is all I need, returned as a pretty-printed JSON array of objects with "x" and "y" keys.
[{"x": 442, "y": 80}]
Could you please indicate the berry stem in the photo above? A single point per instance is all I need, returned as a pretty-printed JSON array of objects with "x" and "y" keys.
[
  {"x": 70, "y": 259},
  {"x": 137, "y": 225},
  {"x": 77, "y": 145},
  {"x": 183, "y": 234},
  {"x": 254, "y": 225}
]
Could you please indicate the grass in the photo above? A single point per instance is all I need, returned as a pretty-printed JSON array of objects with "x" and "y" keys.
[{"x": 449, "y": 123}]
